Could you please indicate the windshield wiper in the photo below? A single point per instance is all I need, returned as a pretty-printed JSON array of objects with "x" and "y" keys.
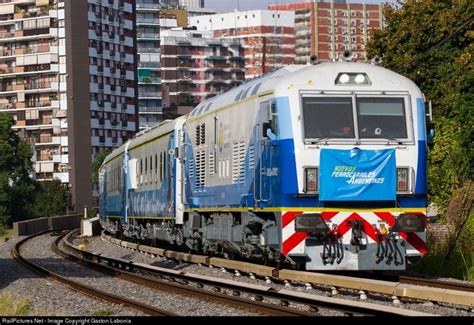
[{"x": 398, "y": 141}]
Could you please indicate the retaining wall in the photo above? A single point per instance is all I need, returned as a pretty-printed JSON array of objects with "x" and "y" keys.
[{"x": 34, "y": 226}]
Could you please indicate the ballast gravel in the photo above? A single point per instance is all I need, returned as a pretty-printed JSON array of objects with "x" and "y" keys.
[
  {"x": 48, "y": 297},
  {"x": 39, "y": 250},
  {"x": 98, "y": 246}
]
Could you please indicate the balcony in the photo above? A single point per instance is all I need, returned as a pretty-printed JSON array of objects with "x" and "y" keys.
[
  {"x": 148, "y": 50},
  {"x": 38, "y": 85},
  {"x": 7, "y": 34},
  {"x": 152, "y": 21},
  {"x": 149, "y": 80},
  {"x": 148, "y": 35},
  {"x": 184, "y": 79},
  {"x": 149, "y": 109},
  {"x": 149, "y": 94},
  {"x": 149, "y": 65},
  {"x": 148, "y": 6}
]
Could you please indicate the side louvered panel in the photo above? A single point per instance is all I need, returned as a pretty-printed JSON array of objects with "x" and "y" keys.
[
  {"x": 238, "y": 162},
  {"x": 212, "y": 164},
  {"x": 235, "y": 162},
  {"x": 242, "y": 162},
  {"x": 251, "y": 157},
  {"x": 200, "y": 168},
  {"x": 191, "y": 167}
]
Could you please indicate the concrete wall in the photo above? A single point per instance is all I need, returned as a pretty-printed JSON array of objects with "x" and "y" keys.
[{"x": 34, "y": 226}]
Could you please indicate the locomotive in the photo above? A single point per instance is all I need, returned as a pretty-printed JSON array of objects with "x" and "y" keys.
[{"x": 319, "y": 167}]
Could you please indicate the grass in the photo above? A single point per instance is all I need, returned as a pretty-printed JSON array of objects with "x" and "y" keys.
[
  {"x": 5, "y": 234},
  {"x": 458, "y": 266},
  {"x": 460, "y": 263},
  {"x": 12, "y": 306}
]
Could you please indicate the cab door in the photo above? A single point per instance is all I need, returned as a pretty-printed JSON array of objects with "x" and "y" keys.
[{"x": 264, "y": 134}]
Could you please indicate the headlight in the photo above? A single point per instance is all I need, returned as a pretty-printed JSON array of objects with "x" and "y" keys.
[
  {"x": 350, "y": 78},
  {"x": 311, "y": 179},
  {"x": 409, "y": 223},
  {"x": 311, "y": 222},
  {"x": 360, "y": 79},
  {"x": 344, "y": 78}
]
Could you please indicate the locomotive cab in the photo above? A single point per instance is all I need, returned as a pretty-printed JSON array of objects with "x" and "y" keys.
[{"x": 360, "y": 158}]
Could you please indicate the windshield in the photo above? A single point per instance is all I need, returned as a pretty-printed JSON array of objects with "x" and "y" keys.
[
  {"x": 381, "y": 118},
  {"x": 333, "y": 118},
  {"x": 328, "y": 117}
]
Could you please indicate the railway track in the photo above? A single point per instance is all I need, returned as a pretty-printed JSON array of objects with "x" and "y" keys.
[
  {"x": 395, "y": 286},
  {"x": 170, "y": 282},
  {"x": 432, "y": 283},
  {"x": 262, "y": 298},
  {"x": 88, "y": 290}
]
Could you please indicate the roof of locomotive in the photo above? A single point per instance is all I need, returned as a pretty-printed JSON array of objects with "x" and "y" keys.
[{"x": 320, "y": 76}]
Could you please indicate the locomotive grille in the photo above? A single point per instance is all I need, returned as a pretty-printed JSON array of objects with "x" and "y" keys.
[
  {"x": 212, "y": 163},
  {"x": 238, "y": 162},
  {"x": 251, "y": 157},
  {"x": 201, "y": 168}
]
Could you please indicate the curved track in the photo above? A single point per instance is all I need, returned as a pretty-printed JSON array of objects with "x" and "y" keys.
[
  {"x": 149, "y": 310},
  {"x": 272, "y": 301},
  {"x": 383, "y": 283}
]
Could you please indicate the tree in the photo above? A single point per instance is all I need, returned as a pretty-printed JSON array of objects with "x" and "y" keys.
[
  {"x": 17, "y": 188},
  {"x": 51, "y": 199},
  {"x": 99, "y": 159},
  {"x": 430, "y": 42}
]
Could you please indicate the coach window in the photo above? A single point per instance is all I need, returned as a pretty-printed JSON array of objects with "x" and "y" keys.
[
  {"x": 146, "y": 169},
  {"x": 156, "y": 168},
  {"x": 166, "y": 164},
  {"x": 274, "y": 117},
  {"x": 141, "y": 171},
  {"x": 150, "y": 178},
  {"x": 328, "y": 117},
  {"x": 161, "y": 166},
  {"x": 381, "y": 118}
]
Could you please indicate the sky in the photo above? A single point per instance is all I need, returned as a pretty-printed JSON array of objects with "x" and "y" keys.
[{"x": 229, "y": 5}]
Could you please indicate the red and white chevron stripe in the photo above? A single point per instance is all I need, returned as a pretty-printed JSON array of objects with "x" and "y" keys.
[{"x": 293, "y": 242}]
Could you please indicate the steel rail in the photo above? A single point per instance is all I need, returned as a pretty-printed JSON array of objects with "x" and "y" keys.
[
  {"x": 149, "y": 310},
  {"x": 382, "y": 283},
  {"x": 119, "y": 269},
  {"x": 432, "y": 283},
  {"x": 284, "y": 296}
]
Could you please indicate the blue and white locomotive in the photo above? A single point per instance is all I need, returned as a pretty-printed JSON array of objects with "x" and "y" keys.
[{"x": 320, "y": 166}]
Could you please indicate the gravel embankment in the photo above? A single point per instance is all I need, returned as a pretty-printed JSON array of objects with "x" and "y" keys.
[
  {"x": 96, "y": 245},
  {"x": 39, "y": 250},
  {"x": 48, "y": 297}
]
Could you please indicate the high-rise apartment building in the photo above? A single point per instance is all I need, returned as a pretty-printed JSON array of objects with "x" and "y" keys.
[
  {"x": 196, "y": 8},
  {"x": 327, "y": 29},
  {"x": 267, "y": 36},
  {"x": 152, "y": 17},
  {"x": 195, "y": 66},
  {"x": 67, "y": 75},
  {"x": 148, "y": 49}
]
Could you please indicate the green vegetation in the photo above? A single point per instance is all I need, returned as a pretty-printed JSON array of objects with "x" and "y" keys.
[
  {"x": 431, "y": 42},
  {"x": 51, "y": 199},
  {"x": 5, "y": 234},
  {"x": 11, "y": 306},
  {"x": 17, "y": 188},
  {"x": 21, "y": 197},
  {"x": 99, "y": 159}
]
